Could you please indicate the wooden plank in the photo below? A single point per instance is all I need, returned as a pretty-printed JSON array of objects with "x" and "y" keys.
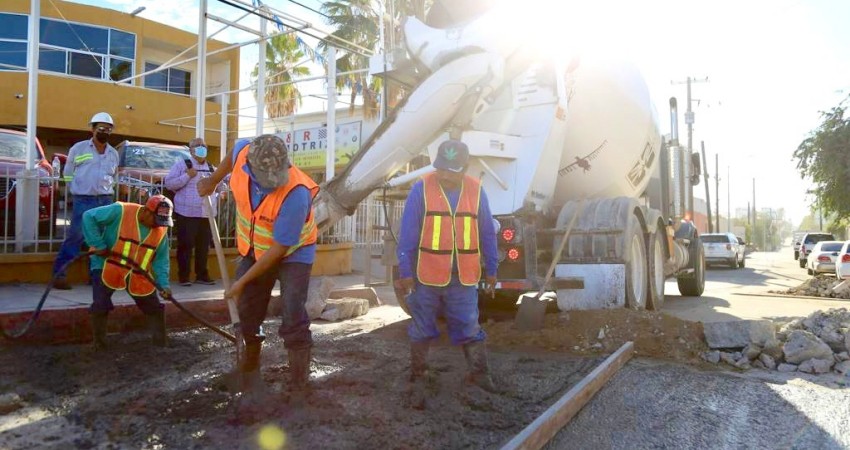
[{"x": 544, "y": 428}]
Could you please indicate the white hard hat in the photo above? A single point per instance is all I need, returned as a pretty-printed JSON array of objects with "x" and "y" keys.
[{"x": 101, "y": 117}]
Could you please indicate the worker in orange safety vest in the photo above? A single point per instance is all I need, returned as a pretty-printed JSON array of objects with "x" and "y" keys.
[
  {"x": 121, "y": 233},
  {"x": 446, "y": 231}
]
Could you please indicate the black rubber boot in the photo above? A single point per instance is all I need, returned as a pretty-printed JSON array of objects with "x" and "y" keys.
[
  {"x": 156, "y": 326},
  {"x": 418, "y": 373},
  {"x": 250, "y": 379},
  {"x": 479, "y": 370},
  {"x": 98, "y": 327},
  {"x": 299, "y": 375}
]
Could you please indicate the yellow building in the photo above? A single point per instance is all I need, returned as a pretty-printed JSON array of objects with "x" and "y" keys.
[{"x": 86, "y": 53}]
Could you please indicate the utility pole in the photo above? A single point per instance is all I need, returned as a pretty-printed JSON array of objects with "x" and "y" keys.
[
  {"x": 707, "y": 189},
  {"x": 717, "y": 187},
  {"x": 689, "y": 119},
  {"x": 728, "y": 202}
]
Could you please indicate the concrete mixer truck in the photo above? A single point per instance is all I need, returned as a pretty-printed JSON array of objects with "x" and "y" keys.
[{"x": 543, "y": 136}]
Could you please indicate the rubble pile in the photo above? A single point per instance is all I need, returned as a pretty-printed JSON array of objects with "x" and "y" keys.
[
  {"x": 820, "y": 286},
  {"x": 817, "y": 344}
]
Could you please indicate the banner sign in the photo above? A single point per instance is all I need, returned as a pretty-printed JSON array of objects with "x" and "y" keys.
[{"x": 308, "y": 146}]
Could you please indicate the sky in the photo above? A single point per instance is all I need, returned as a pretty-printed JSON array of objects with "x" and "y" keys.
[{"x": 772, "y": 66}]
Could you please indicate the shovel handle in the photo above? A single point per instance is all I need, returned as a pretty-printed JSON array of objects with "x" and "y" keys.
[
  {"x": 222, "y": 263},
  {"x": 557, "y": 256}
]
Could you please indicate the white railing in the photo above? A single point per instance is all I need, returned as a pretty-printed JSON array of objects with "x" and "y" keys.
[{"x": 55, "y": 206}]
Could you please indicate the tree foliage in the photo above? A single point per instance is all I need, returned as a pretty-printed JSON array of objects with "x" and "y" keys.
[
  {"x": 283, "y": 52},
  {"x": 824, "y": 156}
]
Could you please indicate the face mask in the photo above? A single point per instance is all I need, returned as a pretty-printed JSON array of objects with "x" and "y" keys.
[
  {"x": 102, "y": 137},
  {"x": 201, "y": 152}
]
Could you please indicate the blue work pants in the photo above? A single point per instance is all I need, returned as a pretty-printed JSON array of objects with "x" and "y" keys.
[
  {"x": 102, "y": 297},
  {"x": 459, "y": 305},
  {"x": 74, "y": 235}
]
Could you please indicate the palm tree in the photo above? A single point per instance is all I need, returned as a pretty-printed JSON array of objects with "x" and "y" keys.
[
  {"x": 358, "y": 21},
  {"x": 283, "y": 53}
]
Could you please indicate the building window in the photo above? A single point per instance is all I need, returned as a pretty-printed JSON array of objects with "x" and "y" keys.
[
  {"x": 172, "y": 80},
  {"x": 70, "y": 48}
]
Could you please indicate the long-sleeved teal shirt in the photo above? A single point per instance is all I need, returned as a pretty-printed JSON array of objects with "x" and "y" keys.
[{"x": 100, "y": 228}]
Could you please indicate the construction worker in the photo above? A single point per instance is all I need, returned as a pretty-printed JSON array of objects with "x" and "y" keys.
[
  {"x": 90, "y": 176},
  {"x": 123, "y": 232},
  {"x": 446, "y": 228},
  {"x": 193, "y": 229},
  {"x": 276, "y": 236}
]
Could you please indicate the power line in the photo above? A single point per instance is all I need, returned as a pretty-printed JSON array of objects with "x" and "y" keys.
[{"x": 311, "y": 9}]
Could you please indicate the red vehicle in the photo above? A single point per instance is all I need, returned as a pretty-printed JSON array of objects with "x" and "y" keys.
[{"x": 13, "y": 147}]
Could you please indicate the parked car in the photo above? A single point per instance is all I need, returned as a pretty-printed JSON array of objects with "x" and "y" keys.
[
  {"x": 13, "y": 148},
  {"x": 842, "y": 262},
  {"x": 142, "y": 167},
  {"x": 723, "y": 248},
  {"x": 797, "y": 239},
  {"x": 823, "y": 257},
  {"x": 808, "y": 243}
]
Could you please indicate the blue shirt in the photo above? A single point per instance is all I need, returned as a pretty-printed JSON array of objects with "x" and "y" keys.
[
  {"x": 291, "y": 217},
  {"x": 411, "y": 230}
]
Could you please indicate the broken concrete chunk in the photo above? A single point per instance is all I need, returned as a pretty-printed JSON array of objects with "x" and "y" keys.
[
  {"x": 843, "y": 367},
  {"x": 773, "y": 347},
  {"x": 759, "y": 365},
  {"x": 317, "y": 295},
  {"x": 786, "y": 368},
  {"x": 834, "y": 339},
  {"x": 711, "y": 356},
  {"x": 752, "y": 351},
  {"x": 358, "y": 292},
  {"x": 743, "y": 363},
  {"x": 843, "y": 356},
  {"x": 767, "y": 361},
  {"x": 847, "y": 342},
  {"x": 728, "y": 358},
  {"x": 10, "y": 402},
  {"x": 345, "y": 308},
  {"x": 786, "y": 329},
  {"x": 816, "y": 366},
  {"x": 738, "y": 334},
  {"x": 601, "y": 334},
  {"x": 803, "y": 346}
]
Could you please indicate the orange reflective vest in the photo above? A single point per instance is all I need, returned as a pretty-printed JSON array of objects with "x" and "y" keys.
[
  {"x": 255, "y": 228},
  {"x": 446, "y": 234},
  {"x": 117, "y": 271}
]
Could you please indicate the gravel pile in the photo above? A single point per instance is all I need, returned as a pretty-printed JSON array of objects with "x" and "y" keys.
[{"x": 817, "y": 344}]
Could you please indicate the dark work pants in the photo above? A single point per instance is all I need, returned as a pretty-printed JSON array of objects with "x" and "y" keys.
[
  {"x": 193, "y": 233},
  {"x": 254, "y": 302},
  {"x": 102, "y": 297}
]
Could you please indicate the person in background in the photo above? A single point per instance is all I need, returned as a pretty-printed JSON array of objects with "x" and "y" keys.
[
  {"x": 446, "y": 229},
  {"x": 191, "y": 215},
  {"x": 90, "y": 176},
  {"x": 123, "y": 232},
  {"x": 276, "y": 237}
]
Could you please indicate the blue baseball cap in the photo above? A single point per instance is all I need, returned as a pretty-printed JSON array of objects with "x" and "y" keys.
[{"x": 452, "y": 155}]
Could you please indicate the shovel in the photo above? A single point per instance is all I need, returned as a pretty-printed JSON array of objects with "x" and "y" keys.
[
  {"x": 532, "y": 309},
  {"x": 225, "y": 279}
]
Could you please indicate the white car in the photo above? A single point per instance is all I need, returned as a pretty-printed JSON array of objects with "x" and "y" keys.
[
  {"x": 822, "y": 257},
  {"x": 842, "y": 262},
  {"x": 723, "y": 248},
  {"x": 808, "y": 243}
]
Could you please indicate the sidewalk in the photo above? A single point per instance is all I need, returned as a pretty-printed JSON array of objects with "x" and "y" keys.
[{"x": 64, "y": 317}]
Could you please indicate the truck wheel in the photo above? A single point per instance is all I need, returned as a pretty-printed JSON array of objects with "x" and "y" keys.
[
  {"x": 802, "y": 263},
  {"x": 733, "y": 264},
  {"x": 400, "y": 295},
  {"x": 743, "y": 262},
  {"x": 693, "y": 285},
  {"x": 656, "y": 258},
  {"x": 796, "y": 255},
  {"x": 637, "y": 275}
]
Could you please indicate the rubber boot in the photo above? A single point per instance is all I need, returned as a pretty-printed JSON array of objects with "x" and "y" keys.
[
  {"x": 98, "y": 327},
  {"x": 299, "y": 375},
  {"x": 479, "y": 370},
  {"x": 418, "y": 373},
  {"x": 156, "y": 326}
]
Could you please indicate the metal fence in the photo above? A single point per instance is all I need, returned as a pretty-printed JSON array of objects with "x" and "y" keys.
[{"x": 367, "y": 226}]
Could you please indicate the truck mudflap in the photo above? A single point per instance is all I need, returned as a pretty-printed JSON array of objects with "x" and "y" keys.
[{"x": 602, "y": 286}]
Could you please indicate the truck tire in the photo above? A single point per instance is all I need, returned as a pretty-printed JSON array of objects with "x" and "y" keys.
[
  {"x": 733, "y": 264},
  {"x": 796, "y": 255},
  {"x": 743, "y": 262},
  {"x": 655, "y": 258},
  {"x": 400, "y": 295},
  {"x": 802, "y": 263},
  {"x": 694, "y": 285},
  {"x": 637, "y": 269}
]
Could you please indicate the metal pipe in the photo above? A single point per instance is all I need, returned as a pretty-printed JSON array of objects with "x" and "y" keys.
[
  {"x": 330, "y": 154},
  {"x": 223, "y": 131},
  {"x": 233, "y": 24},
  {"x": 201, "y": 75},
  {"x": 261, "y": 76}
]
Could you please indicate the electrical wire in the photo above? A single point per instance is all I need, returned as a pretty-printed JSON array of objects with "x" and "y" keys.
[{"x": 310, "y": 9}]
